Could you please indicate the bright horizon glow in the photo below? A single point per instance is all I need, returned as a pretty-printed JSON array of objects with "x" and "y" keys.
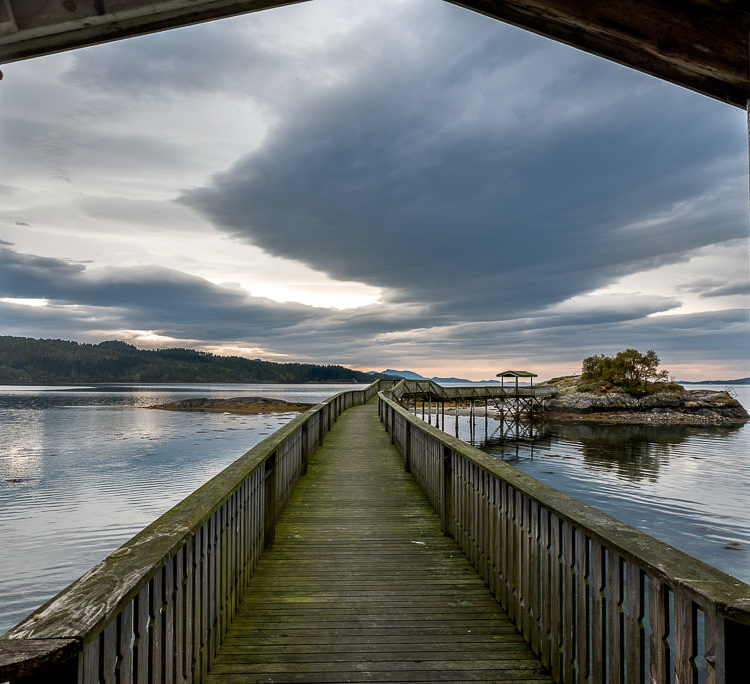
[{"x": 25, "y": 301}]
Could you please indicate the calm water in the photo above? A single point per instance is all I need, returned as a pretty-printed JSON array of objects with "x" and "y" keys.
[
  {"x": 688, "y": 486},
  {"x": 83, "y": 469}
]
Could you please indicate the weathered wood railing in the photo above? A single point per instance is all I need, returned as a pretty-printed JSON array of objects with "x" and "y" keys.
[
  {"x": 597, "y": 600},
  {"x": 158, "y": 607}
]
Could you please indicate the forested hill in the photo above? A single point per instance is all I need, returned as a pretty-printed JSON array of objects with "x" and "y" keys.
[{"x": 26, "y": 360}]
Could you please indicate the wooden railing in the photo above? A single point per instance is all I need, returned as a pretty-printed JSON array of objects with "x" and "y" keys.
[
  {"x": 158, "y": 607},
  {"x": 596, "y": 599},
  {"x": 431, "y": 389}
]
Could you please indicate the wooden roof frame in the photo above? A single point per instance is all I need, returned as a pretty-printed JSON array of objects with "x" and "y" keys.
[{"x": 699, "y": 44}]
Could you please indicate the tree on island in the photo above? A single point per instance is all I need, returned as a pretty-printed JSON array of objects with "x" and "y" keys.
[{"x": 629, "y": 371}]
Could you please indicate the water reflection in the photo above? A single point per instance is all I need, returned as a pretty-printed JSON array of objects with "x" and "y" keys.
[
  {"x": 685, "y": 485},
  {"x": 83, "y": 469},
  {"x": 633, "y": 452}
]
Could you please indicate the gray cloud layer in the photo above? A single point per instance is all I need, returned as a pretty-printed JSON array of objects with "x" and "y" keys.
[
  {"x": 480, "y": 175},
  {"x": 442, "y": 183}
]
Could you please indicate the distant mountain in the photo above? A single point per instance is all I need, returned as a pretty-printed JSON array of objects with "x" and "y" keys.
[
  {"x": 25, "y": 360},
  {"x": 739, "y": 381},
  {"x": 411, "y": 375}
]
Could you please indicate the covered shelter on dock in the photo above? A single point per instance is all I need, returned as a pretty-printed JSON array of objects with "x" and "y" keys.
[{"x": 516, "y": 374}]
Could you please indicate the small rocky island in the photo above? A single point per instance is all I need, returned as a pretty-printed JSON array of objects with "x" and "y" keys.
[
  {"x": 630, "y": 388},
  {"x": 245, "y": 405}
]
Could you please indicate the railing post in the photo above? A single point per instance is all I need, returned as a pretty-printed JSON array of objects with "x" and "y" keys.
[
  {"x": 305, "y": 449},
  {"x": 269, "y": 529},
  {"x": 407, "y": 448},
  {"x": 446, "y": 494},
  {"x": 393, "y": 427}
]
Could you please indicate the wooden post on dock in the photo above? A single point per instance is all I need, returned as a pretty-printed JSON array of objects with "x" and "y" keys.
[
  {"x": 304, "y": 448},
  {"x": 446, "y": 494},
  {"x": 456, "y": 417},
  {"x": 269, "y": 509}
]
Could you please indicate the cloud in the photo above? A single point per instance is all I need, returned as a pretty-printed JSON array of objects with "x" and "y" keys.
[
  {"x": 487, "y": 180},
  {"x": 728, "y": 289},
  {"x": 471, "y": 196}
]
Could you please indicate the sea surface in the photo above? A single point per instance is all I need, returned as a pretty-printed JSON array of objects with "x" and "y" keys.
[
  {"x": 82, "y": 469},
  {"x": 687, "y": 486}
]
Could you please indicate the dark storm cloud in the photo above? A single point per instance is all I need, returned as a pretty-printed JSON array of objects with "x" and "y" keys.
[
  {"x": 435, "y": 178},
  {"x": 28, "y": 275},
  {"x": 166, "y": 300}
]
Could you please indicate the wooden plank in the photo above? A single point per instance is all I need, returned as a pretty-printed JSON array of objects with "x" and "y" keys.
[
  {"x": 635, "y": 648},
  {"x": 188, "y": 628},
  {"x": 658, "y": 609},
  {"x": 168, "y": 617},
  {"x": 124, "y": 648},
  {"x": 583, "y": 603},
  {"x": 545, "y": 598},
  {"x": 534, "y": 579},
  {"x": 141, "y": 638},
  {"x": 615, "y": 636},
  {"x": 179, "y": 615},
  {"x": 685, "y": 638},
  {"x": 568, "y": 602},
  {"x": 91, "y": 660},
  {"x": 156, "y": 593},
  {"x": 555, "y": 599},
  {"x": 377, "y": 591},
  {"x": 715, "y": 649},
  {"x": 109, "y": 653}
]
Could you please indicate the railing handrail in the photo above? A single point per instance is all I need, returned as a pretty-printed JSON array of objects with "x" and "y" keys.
[
  {"x": 62, "y": 625},
  {"x": 707, "y": 584}
]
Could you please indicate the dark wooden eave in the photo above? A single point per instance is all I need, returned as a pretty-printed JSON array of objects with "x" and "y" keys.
[{"x": 698, "y": 44}]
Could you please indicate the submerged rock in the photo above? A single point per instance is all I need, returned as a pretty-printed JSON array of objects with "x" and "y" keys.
[{"x": 235, "y": 405}]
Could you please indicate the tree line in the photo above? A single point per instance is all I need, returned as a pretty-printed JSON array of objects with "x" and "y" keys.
[{"x": 25, "y": 360}]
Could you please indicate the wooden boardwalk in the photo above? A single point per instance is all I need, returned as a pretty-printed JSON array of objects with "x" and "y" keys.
[{"x": 361, "y": 585}]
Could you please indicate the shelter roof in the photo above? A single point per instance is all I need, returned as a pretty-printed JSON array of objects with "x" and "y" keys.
[{"x": 516, "y": 374}]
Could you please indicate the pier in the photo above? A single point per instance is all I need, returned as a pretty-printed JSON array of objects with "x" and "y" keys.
[
  {"x": 359, "y": 543},
  {"x": 515, "y": 405}
]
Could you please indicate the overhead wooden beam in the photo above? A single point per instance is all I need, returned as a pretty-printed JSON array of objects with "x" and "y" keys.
[
  {"x": 31, "y": 28},
  {"x": 698, "y": 44}
]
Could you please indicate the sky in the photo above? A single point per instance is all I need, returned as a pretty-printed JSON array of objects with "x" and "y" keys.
[{"x": 402, "y": 184}]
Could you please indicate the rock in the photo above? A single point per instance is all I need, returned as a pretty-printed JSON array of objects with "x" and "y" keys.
[
  {"x": 689, "y": 407},
  {"x": 235, "y": 405}
]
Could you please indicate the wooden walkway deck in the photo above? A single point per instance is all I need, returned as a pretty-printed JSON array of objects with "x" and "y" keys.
[{"x": 361, "y": 585}]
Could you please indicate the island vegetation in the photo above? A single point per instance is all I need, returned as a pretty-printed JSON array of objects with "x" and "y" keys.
[
  {"x": 631, "y": 388},
  {"x": 25, "y": 360},
  {"x": 629, "y": 371}
]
